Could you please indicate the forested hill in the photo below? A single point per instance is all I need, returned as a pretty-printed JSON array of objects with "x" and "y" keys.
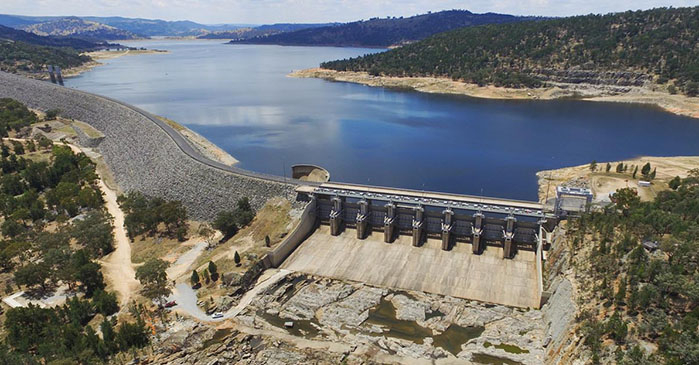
[
  {"x": 660, "y": 44},
  {"x": 22, "y": 52},
  {"x": 383, "y": 32},
  {"x": 17, "y": 35}
]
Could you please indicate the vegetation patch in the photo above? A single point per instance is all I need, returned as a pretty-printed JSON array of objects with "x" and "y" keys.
[
  {"x": 659, "y": 43},
  {"x": 638, "y": 267}
]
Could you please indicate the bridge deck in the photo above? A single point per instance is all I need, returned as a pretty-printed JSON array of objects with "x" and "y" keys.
[{"x": 458, "y": 272}]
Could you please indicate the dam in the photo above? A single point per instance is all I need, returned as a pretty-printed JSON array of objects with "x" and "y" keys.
[{"x": 479, "y": 248}]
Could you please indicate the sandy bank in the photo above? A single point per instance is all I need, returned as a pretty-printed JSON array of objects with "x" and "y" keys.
[
  {"x": 677, "y": 104},
  {"x": 203, "y": 145},
  {"x": 98, "y": 56},
  {"x": 604, "y": 183}
]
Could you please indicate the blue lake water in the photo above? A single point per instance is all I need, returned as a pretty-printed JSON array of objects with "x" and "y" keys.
[{"x": 238, "y": 96}]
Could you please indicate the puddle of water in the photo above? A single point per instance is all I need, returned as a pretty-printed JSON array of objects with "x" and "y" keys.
[
  {"x": 384, "y": 315},
  {"x": 218, "y": 337},
  {"x": 508, "y": 348},
  {"x": 302, "y": 328},
  {"x": 493, "y": 360},
  {"x": 455, "y": 336}
]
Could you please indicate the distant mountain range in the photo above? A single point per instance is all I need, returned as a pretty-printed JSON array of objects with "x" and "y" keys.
[
  {"x": 79, "y": 28},
  {"x": 113, "y": 27},
  {"x": 376, "y": 32},
  {"x": 263, "y": 31},
  {"x": 17, "y": 35},
  {"x": 383, "y": 32}
]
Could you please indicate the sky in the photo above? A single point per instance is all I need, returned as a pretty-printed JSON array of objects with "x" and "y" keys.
[{"x": 315, "y": 11}]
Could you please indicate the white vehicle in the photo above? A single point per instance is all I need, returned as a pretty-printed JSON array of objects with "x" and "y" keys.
[{"x": 217, "y": 315}]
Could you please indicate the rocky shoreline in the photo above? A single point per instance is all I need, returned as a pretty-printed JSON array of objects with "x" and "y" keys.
[{"x": 631, "y": 93}]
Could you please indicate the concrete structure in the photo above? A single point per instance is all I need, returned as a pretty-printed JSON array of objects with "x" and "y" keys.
[
  {"x": 572, "y": 200},
  {"x": 427, "y": 268},
  {"x": 311, "y": 173},
  {"x": 509, "y": 224},
  {"x": 503, "y": 265}
]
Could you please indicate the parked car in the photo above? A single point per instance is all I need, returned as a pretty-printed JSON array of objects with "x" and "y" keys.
[
  {"x": 217, "y": 315},
  {"x": 170, "y": 304}
]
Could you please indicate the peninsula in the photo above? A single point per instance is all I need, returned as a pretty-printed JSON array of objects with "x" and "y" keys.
[{"x": 643, "y": 56}]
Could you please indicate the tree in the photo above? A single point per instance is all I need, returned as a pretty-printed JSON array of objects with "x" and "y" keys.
[
  {"x": 153, "y": 276},
  {"x": 105, "y": 302},
  {"x": 646, "y": 169},
  {"x": 95, "y": 233},
  {"x": 617, "y": 328},
  {"x": 33, "y": 274},
  {"x": 206, "y": 276},
  {"x": 620, "y": 167},
  {"x": 620, "y": 297},
  {"x": 625, "y": 198},
  {"x": 213, "y": 270},
  {"x": 109, "y": 336},
  {"x": 691, "y": 88},
  {"x": 236, "y": 258},
  {"x": 635, "y": 171},
  {"x": 652, "y": 174},
  {"x": 18, "y": 148},
  {"x": 132, "y": 335},
  {"x": 90, "y": 277},
  {"x": 194, "y": 279},
  {"x": 609, "y": 167},
  {"x": 268, "y": 242},
  {"x": 675, "y": 183},
  {"x": 51, "y": 114},
  {"x": 225, "y": 222}
]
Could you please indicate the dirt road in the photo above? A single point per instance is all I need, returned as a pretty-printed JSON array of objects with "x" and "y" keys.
[{"x": 118, "y": 269}]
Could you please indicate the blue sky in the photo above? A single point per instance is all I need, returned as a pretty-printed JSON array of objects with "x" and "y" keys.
[{"x": 275, "y": 11}]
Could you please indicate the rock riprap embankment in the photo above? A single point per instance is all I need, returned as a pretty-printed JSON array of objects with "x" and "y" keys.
[{"x": 142, "y": 156}]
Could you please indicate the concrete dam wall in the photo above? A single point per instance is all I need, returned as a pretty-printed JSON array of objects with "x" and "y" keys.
[{"x": 144, "y": 157}]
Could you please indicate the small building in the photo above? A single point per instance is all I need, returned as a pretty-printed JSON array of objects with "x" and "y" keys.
[
  {"x": 572, "y": 200},
  {"x": 644, "y": 184},
  {"x": 650, "y": 245}
]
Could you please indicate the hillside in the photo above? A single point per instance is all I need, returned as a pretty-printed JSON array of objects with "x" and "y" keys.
[
  {"x": 383, "y": 32},
  {"x": 628, "y": 49},
  {"x": 12, "y": 34},
  {"x": 20, "y": 57},
  {"x": 133, "y": 26},
  {"x": 157, "y": 27},
  {"x": 78, "y": 28},
  {"x": 22, "y": 52},
  {"x": 262, "y": 31}
]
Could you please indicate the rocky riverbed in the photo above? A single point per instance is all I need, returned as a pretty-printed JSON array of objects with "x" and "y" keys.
[
  {"x": 396, "y": 323},
  {"x": 305, "y": 319}
]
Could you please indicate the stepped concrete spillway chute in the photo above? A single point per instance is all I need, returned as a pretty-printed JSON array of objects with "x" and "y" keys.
[{"x": 503, "y": 264}]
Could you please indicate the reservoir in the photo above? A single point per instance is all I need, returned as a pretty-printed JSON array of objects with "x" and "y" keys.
[{"x": 239, "y": 97}]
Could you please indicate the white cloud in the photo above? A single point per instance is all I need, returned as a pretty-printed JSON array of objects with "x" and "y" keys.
[{"x": 270, "y": 11}]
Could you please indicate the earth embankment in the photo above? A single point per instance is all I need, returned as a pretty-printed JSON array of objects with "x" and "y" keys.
[{"x": 146, "y": 155}]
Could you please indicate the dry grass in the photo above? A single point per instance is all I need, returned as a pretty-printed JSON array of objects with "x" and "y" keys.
[
  {"x": 144, "y": 248},
  {"x": 603, "y": 183},
  {"x": 176, "y": 126},
  {"x": 272, "y": 220},
  {"x": 88, "y": 129}
]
